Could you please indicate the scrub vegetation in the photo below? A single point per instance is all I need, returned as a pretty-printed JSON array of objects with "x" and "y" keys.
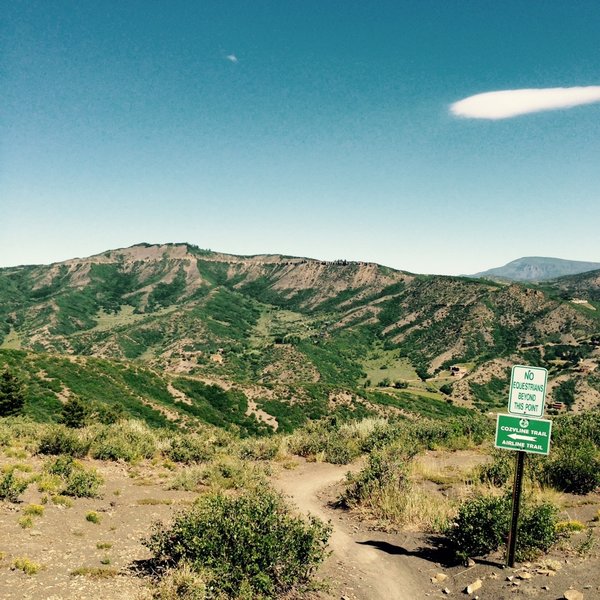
[{"x": 206, "y": 375}]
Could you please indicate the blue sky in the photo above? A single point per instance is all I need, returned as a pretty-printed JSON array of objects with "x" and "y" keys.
[{"x": 311, "y": 128}]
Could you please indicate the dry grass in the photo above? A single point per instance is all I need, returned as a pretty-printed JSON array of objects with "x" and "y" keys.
[
  {"x": 95, "y": 572},
  {"x": 154, "y": 501}
]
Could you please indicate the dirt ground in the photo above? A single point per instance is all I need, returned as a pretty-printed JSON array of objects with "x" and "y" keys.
[
  {"x": 62, "y": 540},
  {"x": 365, "y": 564}
]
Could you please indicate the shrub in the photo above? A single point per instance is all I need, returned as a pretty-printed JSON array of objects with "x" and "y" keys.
[
  {"x": 189, "y": 448},
  {"x": 499, "y": 471},
  {"x": 248, "y": 542},
  {"x": 11, "y": 487},
  {"x": 574, "y": 469},
  {"x": 483, "y": 523},
  {"x": 83, "y": 483},
  {"x": 93, "y": 517},
  {"x": 260, "y": 448},
  {"x": 61, "y": 466},
  {"x": 26, "y": 522},
  {"x": 36, "y": 510},
  {"x": 61, "y": 440},
  {"x": 127, "y": 440},
  {"x": 76, "y": 480},
  {"x": 27, "y": 566},
  {"x": 336, "y": 443},
  {"x": 538, "y": 530},
  {"x": 382, "y": 485}
]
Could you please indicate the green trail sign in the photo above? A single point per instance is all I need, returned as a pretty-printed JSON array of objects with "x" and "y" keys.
[{"x": 523, "y": 433}]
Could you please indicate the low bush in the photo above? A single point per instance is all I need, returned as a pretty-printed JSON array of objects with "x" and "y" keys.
[
  {"x": 250, "y": 542},
  {"x": 11, "y": 487},
  {"x": 335, "y": 442},
  {"x": 83, "y": 483},
  {"x": 59, "y": 439},
  {"x": 574, "y": 469},
  {"x": 76, "y": 480},
  {"x": 499, "y": 471},
  {"x": 381, "y": 486},
  {"x": 126, "y": 440},
  {"x": 483, "y": 522},
  {"x": 226, "y": 473},
  {"x": 190, "y": 448},
  {"x": 27, "y": 566},
  {"x": 93, "y": 517},
  {"x": 260, "y": 448},
  {"x": 455, "y": 432}
]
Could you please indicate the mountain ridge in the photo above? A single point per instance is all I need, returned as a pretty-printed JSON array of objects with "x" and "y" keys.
[
  {"x": 537, "y": 268},
  {"x": 303, "y": 330}
]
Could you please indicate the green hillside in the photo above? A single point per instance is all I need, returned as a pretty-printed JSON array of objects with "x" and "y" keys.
[{"x": 290, "y": 335}]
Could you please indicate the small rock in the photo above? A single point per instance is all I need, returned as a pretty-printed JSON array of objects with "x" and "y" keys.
[
  {"x": 573, "y": 595},
  {"x": 525, "y": 575},
  {"x": 439, "y": 578},
  {"x": 469, "y": 562},
  {"x": 545, "y": 587},
  {"x": 516, "y": 583},
  {"x": 510, "y": 577},
  {"x": 446, "y": 591},
  {"x": 493, "y": 575},
  {"x": 473, "y": 587}
]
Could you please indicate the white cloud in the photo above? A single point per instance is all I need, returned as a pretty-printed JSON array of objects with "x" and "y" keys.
[
  {"x": 232, "y": 58},
  {"x": 512, "y": 103}
]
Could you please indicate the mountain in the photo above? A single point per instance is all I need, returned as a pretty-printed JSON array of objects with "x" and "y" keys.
[
  {"x": 584, "y": 286},
  {"x": 537, "y": 268},
  {"x": 254, "y": 341}
]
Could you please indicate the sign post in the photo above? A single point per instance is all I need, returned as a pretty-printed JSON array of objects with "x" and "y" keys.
[
  {"x": 519, "y": 431},
  {"x": 516, "y": 507}
]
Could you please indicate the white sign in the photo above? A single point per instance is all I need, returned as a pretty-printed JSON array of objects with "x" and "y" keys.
[{"x": 527, "y": 391}]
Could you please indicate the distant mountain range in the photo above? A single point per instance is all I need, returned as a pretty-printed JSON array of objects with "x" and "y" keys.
[
  {"x": 538, "y": 268},
  {"x": 285, "y": 337}
]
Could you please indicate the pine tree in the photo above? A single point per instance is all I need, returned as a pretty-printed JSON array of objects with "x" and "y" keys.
[{"x": 12, "y": 397}]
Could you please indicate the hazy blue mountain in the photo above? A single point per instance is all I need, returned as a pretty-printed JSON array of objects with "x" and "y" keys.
[{"x": 538, "y": 268}]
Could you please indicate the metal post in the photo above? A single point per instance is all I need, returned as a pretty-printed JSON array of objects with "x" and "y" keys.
[{"x": 516, "y": 505}]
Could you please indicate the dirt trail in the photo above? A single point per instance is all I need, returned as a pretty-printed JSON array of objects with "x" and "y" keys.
[{"x": 364, "y": 565}]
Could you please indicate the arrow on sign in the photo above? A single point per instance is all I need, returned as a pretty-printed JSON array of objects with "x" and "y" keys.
[{"x": 527, "y": 438}]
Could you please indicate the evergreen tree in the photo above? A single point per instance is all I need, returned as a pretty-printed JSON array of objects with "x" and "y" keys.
[
  {"x": 12, "y": 397},
  {"x": 75, "y": 413}
]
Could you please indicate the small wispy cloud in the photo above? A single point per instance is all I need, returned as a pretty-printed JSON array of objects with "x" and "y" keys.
[
  {"x": 232, "y": 58},
  {"x": 512, "y": 103}
]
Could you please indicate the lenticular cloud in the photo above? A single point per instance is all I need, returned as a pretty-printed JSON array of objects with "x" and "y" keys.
[{"x": 512, "y": 103}]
